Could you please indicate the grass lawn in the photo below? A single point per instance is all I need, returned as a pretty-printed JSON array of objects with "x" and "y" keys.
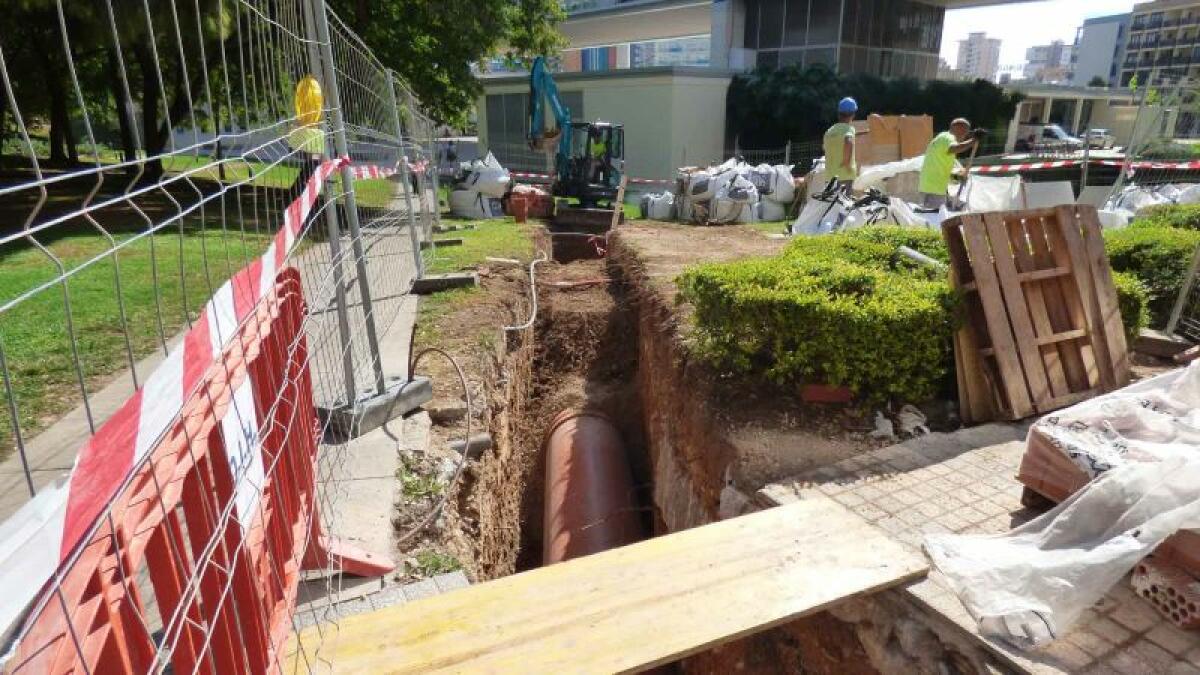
[
  {"x": 500, "y": 238},
  {"x": 34, "y": 334},
  {"x": 772, "y": 227}
]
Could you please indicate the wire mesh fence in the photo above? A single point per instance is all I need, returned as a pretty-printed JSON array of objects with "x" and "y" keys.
[{"x": 199, "y": 253}]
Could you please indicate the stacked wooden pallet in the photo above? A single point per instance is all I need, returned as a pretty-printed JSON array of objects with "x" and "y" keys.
[{"x": 1043, "y": 326}]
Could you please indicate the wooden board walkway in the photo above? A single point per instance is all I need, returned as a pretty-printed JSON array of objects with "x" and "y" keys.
[{"x": 635, "y": 607}]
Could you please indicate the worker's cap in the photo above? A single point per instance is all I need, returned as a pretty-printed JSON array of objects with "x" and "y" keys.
[{"x": 847, "y": 106}]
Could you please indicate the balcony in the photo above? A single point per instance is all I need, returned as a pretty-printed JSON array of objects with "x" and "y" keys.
[{"x": 1169, "y": 42}]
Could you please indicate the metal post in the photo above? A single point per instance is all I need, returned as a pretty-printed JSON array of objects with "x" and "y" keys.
[
  {"x": 405, "y": 177},
  {"x": 1188, "y": 282},
  {"x": 340, "y": 145},
  {"x": 787, "y": 153},
  {"x": 1087, "y": 158},
  {"x": 335, "y": 234}
]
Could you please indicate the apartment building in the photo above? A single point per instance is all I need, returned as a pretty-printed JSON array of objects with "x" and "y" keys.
[
  {"x": 1163, "y": 47},
  {"x": 979, "y": 57},
  {"x": 1099, "y": 50},
  {"x": 1049, "y": 64}
]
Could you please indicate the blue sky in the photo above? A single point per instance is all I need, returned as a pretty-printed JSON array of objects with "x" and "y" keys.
[{"x": 1023, "y": 25}]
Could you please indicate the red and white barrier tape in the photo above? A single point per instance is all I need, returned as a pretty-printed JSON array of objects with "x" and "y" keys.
[
  {"x": 57, "y": 519},
  {"x": 1064, "y": 163},
  {"x": 372, "y": 171},
  {"x": 547, "y": 178}
]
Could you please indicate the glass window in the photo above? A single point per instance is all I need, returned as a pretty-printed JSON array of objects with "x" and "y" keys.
[
  {"x": 850, "y": 21},
  {"x": 824, "y": 22},
  {"x": 770, "y": 29},
  {"x": 495, "y": 116},
  {"x": 791, "y": 57},
  {"x": 828, "y": 56},
  {"x": 751, "y": 35},
  {"x": 796, "y": 29},
  {"x": 768, "y": 59}
]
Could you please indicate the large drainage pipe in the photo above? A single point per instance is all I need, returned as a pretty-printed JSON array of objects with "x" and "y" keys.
[{"x": 590, "y": 505}]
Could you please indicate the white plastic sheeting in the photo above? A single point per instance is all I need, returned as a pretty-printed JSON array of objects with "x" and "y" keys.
[
  {"x": 1030, "y": 585},
  {"x": 769, "y": 211},
  {"x": 875, "y": 176},
  {"x": 992, "y": 193},
  {"x": 818, "y": 218}
]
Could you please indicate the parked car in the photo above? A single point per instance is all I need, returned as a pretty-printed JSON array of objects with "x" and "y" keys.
[
  {"x": 1046, "y": 138},
  {"x": 1101, "y": 139}
]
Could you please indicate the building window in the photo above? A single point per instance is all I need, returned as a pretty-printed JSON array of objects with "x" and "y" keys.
[
  {"x": 795, "y": 30},
  {"x": 507, "y": 117},
  {"x": 824, "y": 22},
  {"x": 689, "y": 51},
  {"x": 770, "y": 27}
]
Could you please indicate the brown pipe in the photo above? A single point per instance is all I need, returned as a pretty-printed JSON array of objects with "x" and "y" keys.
[{"x": 590, "y": 505}]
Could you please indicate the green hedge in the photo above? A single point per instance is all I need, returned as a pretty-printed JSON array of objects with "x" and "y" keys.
[
  {"x": 836, "y": 309},
  {"x": 1184, "y": 216},
  {"x": 1133, "y": 300},
  {"x": 843, "y": 309},
  {"x": 1159, "y": 256}
]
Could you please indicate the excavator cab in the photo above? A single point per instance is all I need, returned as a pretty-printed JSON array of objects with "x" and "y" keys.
[{"x": 596, "y": 163}]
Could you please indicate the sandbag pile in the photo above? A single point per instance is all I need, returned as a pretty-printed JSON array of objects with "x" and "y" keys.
[
  {"x": 659, "y": 207},
  {"x": 478, "y": 188},
  {"x": 735, "y": 192}
]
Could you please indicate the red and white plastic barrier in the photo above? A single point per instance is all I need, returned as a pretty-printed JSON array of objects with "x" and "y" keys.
[
  {"x": 212, "y": 369},
  {"x": 545, "y": 177}
]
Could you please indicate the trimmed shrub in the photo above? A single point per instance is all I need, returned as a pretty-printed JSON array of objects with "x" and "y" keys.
[
  {"x": 1158, "y": 256},
  {"x": 1184, "y": 216},
  {"x": 1133, "y": 300},
  {"x": 835, "y": 309}
]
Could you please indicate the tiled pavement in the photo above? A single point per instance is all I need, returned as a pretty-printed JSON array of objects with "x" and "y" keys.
[{"x": 964, "y": 482}]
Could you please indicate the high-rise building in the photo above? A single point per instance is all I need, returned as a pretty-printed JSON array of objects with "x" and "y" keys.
[
  {"x": 1099, "y": 50},
  {"x": 1164, "y": 43},
  {"x": 1050, "y": 63},
  {"x": 979, "y": 57}
]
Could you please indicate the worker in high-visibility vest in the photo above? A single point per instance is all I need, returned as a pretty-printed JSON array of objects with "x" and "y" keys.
[
  {"x": 598, "y": 151},
  {"x": 841, "y": 164},
  {"x": 938, "y": 165}
]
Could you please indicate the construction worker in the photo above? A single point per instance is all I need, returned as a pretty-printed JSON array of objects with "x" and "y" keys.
[
  {"x": 598, "y": 151},
  {"x": 840, "y": 161},
  {"x": 939, "y": 161}
]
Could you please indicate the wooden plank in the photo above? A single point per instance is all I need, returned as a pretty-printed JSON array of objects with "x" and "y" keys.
[
  {"x": 1018, "y": 309},
  {"x": 1073, "y": 294},
  {"x": 1035, "y": 275},
  {"x": 1012, "y": 376},
  {"x": 976, "y": 397},
  {"x": 634, "y": 607},
  {"x": 1056, "y": 306},
  {"x": 1106, "y": 295},
  {"x": 1036, "y": 298},
  {"x": 619, "y": 204},
  {"x": 1070, "y": 399},
  {"x": 1046, "y": 340},
  {"x": 1068, "y": 227}
]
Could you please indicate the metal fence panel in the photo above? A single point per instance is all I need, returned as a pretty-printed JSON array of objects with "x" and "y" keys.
[{"x": 188, "y": 165}]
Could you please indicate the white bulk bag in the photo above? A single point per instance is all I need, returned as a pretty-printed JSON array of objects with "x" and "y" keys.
[
  {"x": 770, "y": 211},
  {"x": 725, "y": 210},
  {"x": 660, "y": 207},
  {"x": 740, "y": 189},
  {"x": 472, "y": 204},
  {"x": 782, "y": 188},
  {"x": 701, "y": 186}
]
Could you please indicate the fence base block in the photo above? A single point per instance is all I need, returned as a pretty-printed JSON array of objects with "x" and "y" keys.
[
  {"x": 1159, "y": 343},
  {"x": 370, "y": 413},
  {"x": 330, "y": 553},
  {"x": 435, "y": 283}
]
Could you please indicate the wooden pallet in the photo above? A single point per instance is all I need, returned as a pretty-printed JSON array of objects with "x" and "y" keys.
[{"x": 1041, "y": 306}]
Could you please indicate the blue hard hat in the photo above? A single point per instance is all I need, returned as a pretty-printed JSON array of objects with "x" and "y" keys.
[{"x": 847, "y": 106}]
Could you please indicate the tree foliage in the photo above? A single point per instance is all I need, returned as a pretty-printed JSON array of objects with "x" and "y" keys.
[
  {"x": 769, "y": 107},
  {"x": 433, "y": 45}
]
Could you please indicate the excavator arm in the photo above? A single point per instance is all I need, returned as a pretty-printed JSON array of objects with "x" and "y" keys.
[{"x": 542, "y": 89}]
